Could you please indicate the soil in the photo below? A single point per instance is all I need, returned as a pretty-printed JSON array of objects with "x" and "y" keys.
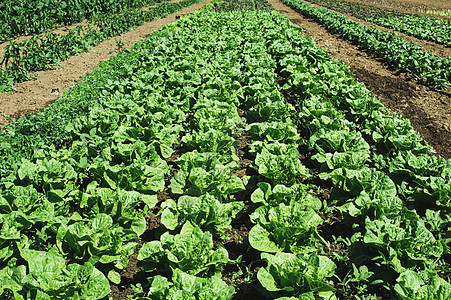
[
  {"x": 35, "y": 95},
  {"x": 60, "y": 29},
  {"x": 428, "y": 111},
  {"x": 431, "y": 46},
  {"x": 410, "y": 5}
]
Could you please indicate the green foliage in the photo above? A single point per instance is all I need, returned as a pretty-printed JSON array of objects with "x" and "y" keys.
[
  {"x": 279, "y": 162},
  {"x": 242, "y": 5},
  {"x": 43, "y": 52},
  {"x": 190, "y": 251},
  {"x": 433, "y": 29},
  {"x": 430, "y": 67},
  {"x": 31, "y": 17},
  {"x": 285, "y": 227},
  {"x": 193, "y": 123},
  {"x": 297, "y": 275},
  {"x": 204, "y": 172},
  {"x": 48, "y": 277},
  {"x": 424, "y": 285},
  {"x": 186, "y": 286},
  {"x": 207, "y": 211}
]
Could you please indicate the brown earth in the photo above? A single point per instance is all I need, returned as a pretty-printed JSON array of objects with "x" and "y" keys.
[
  {"x": 428, "y": 111},
  {"x": 59, "y": 29},
  {"x": 35, "y": 95},
  {"x": 410, "y": 5},
  {"x": 436, "y": 48}
]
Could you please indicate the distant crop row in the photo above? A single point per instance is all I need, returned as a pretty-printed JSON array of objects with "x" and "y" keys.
[
  {"x": 421, "y": 26},
  {"x": 43, "y": 52},
  {"x": 433, "y": 69},
  {"x": 24, "y": 17},
  {"x": 219, "y": 121}
]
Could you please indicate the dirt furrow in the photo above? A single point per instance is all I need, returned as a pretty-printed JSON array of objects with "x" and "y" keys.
[
  {"x": 431, "y": 46},
  {"x": 35, "y": 95},
  {"x": 411, "y": 6},
  {"x": 60, "y": 29},
  {"x": 428, "y": 111}
]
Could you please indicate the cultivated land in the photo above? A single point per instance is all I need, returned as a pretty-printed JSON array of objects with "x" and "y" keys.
[
  {"x": 220, "y": 157},
  {"x": 429, "y": 112}
]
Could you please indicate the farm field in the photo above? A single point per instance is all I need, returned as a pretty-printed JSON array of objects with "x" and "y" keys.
[
  {"x": 423, "y": 27},
  {"x": 22, "y": 58},
  {"x": 241, "y": 151},
  {"x": 410, "y": 5}
]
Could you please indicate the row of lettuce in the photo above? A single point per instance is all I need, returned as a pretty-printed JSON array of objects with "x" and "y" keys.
[
  {"x": 433, "y": 29},
  {"x": 431, "y": 68},
  {"x": 73, "y": 206},
  {"x": 42, "y": 52},
  {"x": 24, "y": 17}
]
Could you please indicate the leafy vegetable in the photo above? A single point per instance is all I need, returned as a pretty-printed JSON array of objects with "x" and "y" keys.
[
  {"x": 207, "y": 211},
  {"x": 424, "y": 285},
  {"x": 284, "y": 228},
  {"x": 190, "y": 251},
  {"x": 279, "y": 162},
  {"x": 48, "y": 277},
  {"x": 298, "y": 275},
  {"x": 406, "y": 244},
  {"x": 185, "y": 286},
  {"x": 203, "y": 172}
]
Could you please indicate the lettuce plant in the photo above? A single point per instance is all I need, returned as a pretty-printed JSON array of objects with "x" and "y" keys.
[
  {"x": 297, "y": 275},
  {"x": 186, "y": 286},
  {"x": 266, "y": 195},
  {"x": 207, "y": 211},
  {"x": 190, "y": 251},
  {"x": 423, "y": 285},
  {"x": 46, "y": 276},
  {"x": 203, "y": 172},
  {"x": 284, "y": 228},
  {"x": 279, "y": 162},
  {"x": 403, "y": 242}
]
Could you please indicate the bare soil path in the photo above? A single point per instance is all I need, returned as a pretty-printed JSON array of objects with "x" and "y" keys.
[
  {"x": 428, "y": 111},
  {"x": 411, "y": 6},
  {"x": 436, "y": 48},
  {"x": 35, "y": 95},
  {"x": 60, "y": 29}
]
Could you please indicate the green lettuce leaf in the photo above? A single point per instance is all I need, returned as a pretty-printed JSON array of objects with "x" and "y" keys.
[
  {"x": 186, "y": 286},
  {"x": 190, "y": 251},
  {"x": 284, "y": 227},
  {"x": 279, "y": 162},
  {"x": 425, "y": 285},
  {"x": 296, "y": 274},
  {"x": 207, "y": 211}
]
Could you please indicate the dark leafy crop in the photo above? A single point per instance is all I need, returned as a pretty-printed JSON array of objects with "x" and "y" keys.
[
  {"x": 19, "y": 17},
  {"x": 358, "y": 10},
  {"x": 431, "y": 68},
  {"x": 39, "y": 53},
  {"x": 242, "y": 5},
  {"x": 423, "y": 27}
]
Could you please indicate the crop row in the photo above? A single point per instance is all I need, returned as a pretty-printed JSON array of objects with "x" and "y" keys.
[
  {"x": 431, "y": 68},
  {"x": 217, "y": 120},
  {"x": 428, "y": 28},
  {"x": 39, "y": 53},
  {"x": 21, "y": 17},
  {"x": 242, "y": 5},
  {"x": 420, "y": 26}
]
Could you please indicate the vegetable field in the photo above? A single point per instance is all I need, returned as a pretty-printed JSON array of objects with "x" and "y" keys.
[{"x": 226, "y": 156}]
